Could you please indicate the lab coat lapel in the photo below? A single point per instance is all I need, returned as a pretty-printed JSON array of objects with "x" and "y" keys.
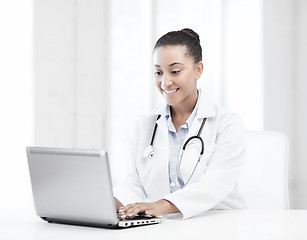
[
  {"x": 153, "y": 170},
  {"x": 163, "y": 127},
  {"x": 162, "y": 186}
]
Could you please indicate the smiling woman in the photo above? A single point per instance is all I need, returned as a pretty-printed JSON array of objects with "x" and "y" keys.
[
  {"x": 176, "y": 78},
  {"x": 169, "y": 181}
]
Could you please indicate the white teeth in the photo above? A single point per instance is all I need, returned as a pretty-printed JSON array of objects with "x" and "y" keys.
[{"x": 172, "y": 91}]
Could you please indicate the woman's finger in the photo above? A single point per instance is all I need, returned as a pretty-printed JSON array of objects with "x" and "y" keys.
[{"x": 134, "y": 209}]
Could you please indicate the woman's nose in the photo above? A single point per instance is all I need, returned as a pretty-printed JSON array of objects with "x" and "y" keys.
[{"x": 166, "y": 82}]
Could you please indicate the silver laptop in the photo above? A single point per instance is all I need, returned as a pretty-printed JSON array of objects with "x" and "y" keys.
[{"x": 73, "y": 186}]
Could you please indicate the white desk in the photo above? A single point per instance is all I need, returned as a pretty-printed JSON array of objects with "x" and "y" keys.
[{"x": 227, "y": 224}]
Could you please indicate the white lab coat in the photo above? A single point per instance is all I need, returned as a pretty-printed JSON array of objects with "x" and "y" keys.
[{"x": 213, "y": 185}]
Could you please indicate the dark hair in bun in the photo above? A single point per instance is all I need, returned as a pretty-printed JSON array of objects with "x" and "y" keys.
[{"x": 185, "y": 37}]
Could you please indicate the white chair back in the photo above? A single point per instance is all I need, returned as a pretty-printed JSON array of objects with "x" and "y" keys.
[{"x": 263, "y": 183}]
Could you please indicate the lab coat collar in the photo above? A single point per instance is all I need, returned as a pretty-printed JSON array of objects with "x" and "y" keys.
[{"x": 205, "y": 109}]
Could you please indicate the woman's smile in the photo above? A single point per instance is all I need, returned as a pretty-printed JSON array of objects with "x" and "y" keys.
[{"x": 169, "y": 92}]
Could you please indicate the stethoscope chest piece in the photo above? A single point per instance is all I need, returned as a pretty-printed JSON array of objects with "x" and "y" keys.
[{"x": 149, "y": 152}]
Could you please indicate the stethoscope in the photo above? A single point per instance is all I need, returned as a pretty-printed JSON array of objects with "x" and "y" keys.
[{"x": 149, "y": 152}]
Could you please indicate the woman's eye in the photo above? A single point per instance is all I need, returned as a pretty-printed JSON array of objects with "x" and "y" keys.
[
  {"x": 175, "y": 71},
  {"x": 157, "y": 73}
]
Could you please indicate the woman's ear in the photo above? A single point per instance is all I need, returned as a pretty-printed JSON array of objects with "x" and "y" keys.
[{"x": 199, "y": 67}]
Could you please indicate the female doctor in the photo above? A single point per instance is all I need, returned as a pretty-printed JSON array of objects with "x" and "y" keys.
[{"x": 187, "y": 154}]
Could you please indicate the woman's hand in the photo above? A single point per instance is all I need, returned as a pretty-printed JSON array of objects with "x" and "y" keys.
[
  {"x": 118, "y": 203},
  {"x": 155, "y": 209}
]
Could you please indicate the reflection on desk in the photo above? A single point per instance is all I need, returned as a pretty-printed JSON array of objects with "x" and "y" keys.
[{"x": 223, "y": 224}]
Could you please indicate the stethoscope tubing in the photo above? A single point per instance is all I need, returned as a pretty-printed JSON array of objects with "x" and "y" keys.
[
  {"x": 154, "y": 131},
  {"x": 150, "y": 151}
]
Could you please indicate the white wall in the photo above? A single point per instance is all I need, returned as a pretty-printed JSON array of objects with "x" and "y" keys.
[
  {"x": 279, "y": 76},
  {"x": 300, "y": 128},
  {"x": 16, "y": 121},
  {"x": 71, "y": 73},
  {"x": 285, "y": 74}
]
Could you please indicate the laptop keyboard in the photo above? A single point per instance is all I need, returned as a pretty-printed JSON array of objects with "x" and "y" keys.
[{"x": 136, "y": 217}]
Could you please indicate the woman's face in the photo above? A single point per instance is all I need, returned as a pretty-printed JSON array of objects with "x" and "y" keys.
[{"x": 176, "y": 75}]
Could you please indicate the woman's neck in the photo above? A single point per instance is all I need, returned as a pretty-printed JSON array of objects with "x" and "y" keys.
[{"x": 180, "y": 114}]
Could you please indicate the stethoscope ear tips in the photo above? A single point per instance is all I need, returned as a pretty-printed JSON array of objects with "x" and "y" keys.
[{"x": 149, "y": 152}]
